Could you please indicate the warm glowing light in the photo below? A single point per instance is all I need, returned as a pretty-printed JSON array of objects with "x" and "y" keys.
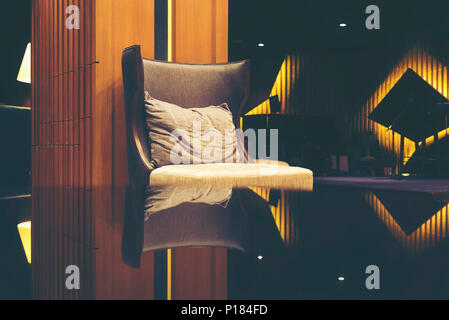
[
  {"x": 169, "y": 274},
  {"x": 406, "y": 174},
  {"x": 420, "y": 61},
  {"x": 260, "y": 257},
  {"x": 170, "y": 31},
  {"x": 341, "y": 278},
  {"x": 283, "y": 216},
  {"x": 25, "y": 69},
  {"x": 25, "y": 236},
  {"x": 282, "y": 87},
  {"x": 428, "y": 234},
  {"x": 423, "y": 63},
  {"x": 343, "y": 24},
  {"x": 260, "y": 44}
]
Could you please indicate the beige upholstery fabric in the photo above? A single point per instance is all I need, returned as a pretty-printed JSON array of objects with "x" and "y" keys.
[
  {"x": 270, "y": 162},
  {"x": 234, "y": 175},
  {"x": 165, "y": 197}
]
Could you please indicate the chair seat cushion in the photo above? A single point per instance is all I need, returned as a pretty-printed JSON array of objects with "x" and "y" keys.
[{"x": 240, "y": 175}]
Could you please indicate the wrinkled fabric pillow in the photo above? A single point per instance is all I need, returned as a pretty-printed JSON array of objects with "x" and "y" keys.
[{"x": 190, "y": 135}]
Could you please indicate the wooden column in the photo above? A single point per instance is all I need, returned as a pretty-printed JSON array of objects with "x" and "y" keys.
[
  {"x": 79, "y": 169},
  {"x": 62, "y": 68},
  {"x": 78, "y": 161},
  {"x": 118, "y": 24}
]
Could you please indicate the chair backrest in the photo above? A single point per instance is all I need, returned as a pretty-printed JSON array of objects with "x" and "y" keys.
[{"x": 187, "y": 85}]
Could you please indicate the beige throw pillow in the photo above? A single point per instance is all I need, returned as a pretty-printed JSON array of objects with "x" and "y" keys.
[{"x": 190, "y": 136}]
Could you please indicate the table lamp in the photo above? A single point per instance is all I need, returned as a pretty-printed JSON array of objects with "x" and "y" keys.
[{"x": 25, "y": 68}]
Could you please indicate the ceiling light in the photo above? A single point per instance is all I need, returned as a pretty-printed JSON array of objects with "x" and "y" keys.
[
  {"x": 260, "y": 257},
  {"x": 341, "y": 278},
  {"x": 260, "y": 44},
  {"x": 343, "y": 25}
]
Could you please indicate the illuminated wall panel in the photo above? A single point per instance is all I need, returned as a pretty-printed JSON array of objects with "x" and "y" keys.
[
  {"x": 431, "y": 70},
  {"x": 283, "y": 86},
  {"x": 349, "y": 86}
]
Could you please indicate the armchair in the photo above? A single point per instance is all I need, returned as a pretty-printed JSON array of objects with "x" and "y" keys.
[{"x": 189, "y": 86}]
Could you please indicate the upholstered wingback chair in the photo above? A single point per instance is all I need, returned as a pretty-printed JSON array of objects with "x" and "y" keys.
[{"x": 185, "y": 85}]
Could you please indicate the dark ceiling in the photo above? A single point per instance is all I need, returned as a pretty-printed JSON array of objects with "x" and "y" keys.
[
  {"x": 15, "y": 33},
  {"x": 313, "y": 25},
  {"x": 282, "y": 25}
]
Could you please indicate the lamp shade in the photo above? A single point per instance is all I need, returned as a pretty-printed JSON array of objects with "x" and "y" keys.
[
  {"x": 25, "y": 236},
  {"x": 25, "y": 69}
]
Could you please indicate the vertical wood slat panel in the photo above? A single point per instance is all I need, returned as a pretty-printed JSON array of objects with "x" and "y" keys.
[{"x": 58, "y": 75}]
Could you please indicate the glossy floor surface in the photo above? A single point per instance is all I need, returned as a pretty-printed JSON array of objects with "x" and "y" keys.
[
  {"x": 296, "y": 245},
  {"x": 281, "y": 244}
]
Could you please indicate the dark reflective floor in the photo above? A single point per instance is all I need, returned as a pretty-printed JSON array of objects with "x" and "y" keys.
[
  {"x": 296, "y": 245},
  {"x": 281, "y": 244}
]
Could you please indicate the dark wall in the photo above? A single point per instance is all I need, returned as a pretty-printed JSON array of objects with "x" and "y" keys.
[
  {"x": 15, "y": 33},
  {"x": 15, "y": 147}
]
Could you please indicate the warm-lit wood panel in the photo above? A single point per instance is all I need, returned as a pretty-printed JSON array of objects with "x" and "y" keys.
[
  {"x": 79, "y": 158},
  {"x": 61, "y": 69},
  {"x": 199, "y": 35},
  {"x": 200, "y": 31},
  {"x": 79, "y": 166},
  {"x": 199, "y": 273},
  {"x": 119, "y": 24}
]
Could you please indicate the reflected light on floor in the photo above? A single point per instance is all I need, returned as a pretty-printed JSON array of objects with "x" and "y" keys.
[
  {"x": 283, "y": 216},
  {"x": 25, "y": 236},
  {"x": 427, "y": 235}
]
